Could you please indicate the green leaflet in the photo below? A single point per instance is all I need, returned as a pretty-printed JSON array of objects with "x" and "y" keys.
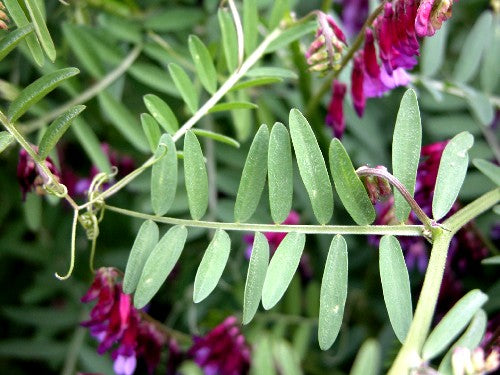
[
  {"x": 333, "y": 293},
  {"x": 479, "y": 104},
  {"x": 253, "y": 177},
  {"x": 19, "y": 17},
  {"x": 312, "y": 167},
  {"x": 490, "y": 69},
  {"x": 154, "y": 77},
  {"x": 151, "y": 130},
  {"x": 12, "y": 39},
  {"x": 195, "y": 175},
  {"x": 57, "y": 129},
  {"x": 120, "y": 27},
  {"x": 395, "y": 285},
  {"x": 291, "y": 34},
  {"x": 90, "y": 143},
  {"x": 179, "y": 18},
  {"x": 6, "y": 139},
  {"x": 256, "y": 275},
  {"x": 271, "y": 72},
  {"x": 229, "y": 106},
  {"x": 282, "y": 267},
  {"x": 472, "y": 49},
  {"x": 489, "y": 169},
  {"x": 470, "y": 339},
  {"x": 212, "y": 265},
  {"x": 123, "y": 120},
  {"x": 433, "y": 52},
  {"x": 216, "y": 137},
  {"x": 451, "y": 173},
  {"x": 280, "y": 173},
  {"x": 145, "y": 241},
  {"x": 259, "y": 81},
  {"x": 159, "y": 264},
  {"x": 229, "y": 39},
  {"x": 37, "y": 90},
  {"x": 185, "y": 86},
  {"x": 41, "y": 28},
  {"x": 286, "y": 358},
  {"x": 349, "y": 187},
  {"x": 453, "y": 323},
  {"x": 406, "y": 143},
  {"x": 262, "y": 357},
  {"x": 164, "y": 176},
  {"x": 280, "y": 8},
  {"x": 367, "y": 361},
  {"x": 203, "y": 63},
  {"x": 162, "y": 113},
  {"x": 250, "y": 23},
  {"x": 494, "y": 260}
]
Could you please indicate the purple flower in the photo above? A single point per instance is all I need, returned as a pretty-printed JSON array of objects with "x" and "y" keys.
[
  {"x": 223, "y": 351},
  {"x": 354, "y": 14},
  {"x": 30, "y": 176},
  {"x": 335, "y": 116},
  {"x": 357, "y": 79}
]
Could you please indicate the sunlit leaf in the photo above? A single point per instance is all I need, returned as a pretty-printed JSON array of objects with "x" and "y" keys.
[
  {"x": 254, "y": 82},
  {"x": 229, "y": 106},
  {"x": 395, "y": 285},
  {"x": 41, "y": 28},
  {"x": 256, "y": 275},
  {"x": 312, "y": 166},
  {"x": 451, "y": 173},
  {"x": 37, "y": 90},
  {"x": 185, "y": 86},
  {"x": 453, "y": 323},
  {"x": 12, "y": 39},
  {"x": 159, "y": 264},
  {"x": 212, "y": 265},
  {"x": 57, "y": 129},
  {"x": 490, "y": 170},
  {"x": 280, "y": 173},
  {"x": 196, "y": 178},
  {"x": 333, "y": 293},
  {"x": 203, "y": 63},
  {"x": 164, "y": 176},
  {"x": 151, "y": 130},
  {"x": 229, "y": 39},
  {"x": 145, "y": 241},
  {"x": 494, "y": 260},
  {"x": 282, "y": 267},
  {"x": 253, "y": 177},
  {"x": 216, "y": 137},
  {"x": 6, "y": 139},
  {"x": 367, "y": 361},
  {"x": 162, "y": 113},
  {"x": 348, "y": 185}
]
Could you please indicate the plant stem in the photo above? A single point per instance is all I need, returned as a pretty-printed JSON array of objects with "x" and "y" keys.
[
  {"x": 398, "y": 230},
  {"x": 409, "y": 355},
  {"x": 87, "y": 94}
]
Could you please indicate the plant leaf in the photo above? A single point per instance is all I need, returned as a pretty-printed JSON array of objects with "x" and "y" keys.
[
  {"x": 12, "y": 39},
  {"x": 250, "y": 23},
  {"x": 57, "y": 129},
  {"x": 162, "y": 113},
  {"x": 184, "y": 85},
  {"x": 280, "y": 7},
  {"x": 490, "y": 69},
  {"x": 433, "y": 52},
  {"x": 256, "y": 275},
  {"x": 312, "y": 167},
  {"x": 291, "y": 34},
  {"x": 6, "y": 139},
  {"x": 451, "y": 173},
  {"x": 453, "y": 323},
  {"x": 348, "y": 185},
  {"x": 489, "y": 169},
  {"x": 470, "y": 339},
  {"x": 280, "y": 173},
  {"x": 159, "y": 264},
  {"x": 203, "y": 63},
  {"x": 285, "y": 358},
  {"x": 151, "y": 130},
  {"x": 406, "y": 144},
  {"x": 367, "y": 361},
  {"x": 491, "y": 260},
  {"x": 154, "y": 77},
  {"x": 216, "y": 137},
  {"x": 172, "y": 19},
  {"x": 259, "y": 81},
  {"x": 195, "y": 175},
  {"x": 271, "y": 72},
  {"x": 229, "y": 39},
  {"x": 212, "y": 265},
  {"x": 282, "y": 267},
  {"x": 472, "y": 49},
  {"x": 253, "y": 177},
  {"x": 145, "y": 241},
  {"x": 123, "y": 120},
  {"x": 37, "y": 90},
  {"x": 479, "y": 104},
  {"x": 90, "y": 143},
  {"x": 19, "y": 17},
  {"x": 229, "y": 106},
  {"x": 333, "y": 293},
  {"x": 395, "y": 285},
  {"x": 41, "y": 29},
  {"x": 164, "y": 176}
]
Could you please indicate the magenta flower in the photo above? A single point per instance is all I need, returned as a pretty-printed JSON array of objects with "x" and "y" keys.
[
  {"x": 335, "y": 116},
  {"x": 357, "y": 79},
  {"x": 30, "y": 176},
  {"x": 223, "y": 351},
  {"x": 354, "y": 14},
  {"x": 430, "y": 16}
]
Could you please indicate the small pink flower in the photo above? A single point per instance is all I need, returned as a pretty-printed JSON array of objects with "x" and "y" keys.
[
  {"x": 335, "y": 116},
  {"x": 430, "y": 16}
]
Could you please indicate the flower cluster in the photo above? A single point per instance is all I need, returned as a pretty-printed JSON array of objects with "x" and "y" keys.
[{"x": 114, "y": 322}]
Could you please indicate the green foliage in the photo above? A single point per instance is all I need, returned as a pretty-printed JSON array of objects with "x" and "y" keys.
[
  {"x": 162, "y": 113},
  {"x": 164, "y": 176},
  {"x": 11, "y": 40},
  {"x": 203, "y": 63}
]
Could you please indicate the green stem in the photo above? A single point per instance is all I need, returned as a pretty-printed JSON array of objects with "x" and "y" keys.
[{"x": 398, "y": 230}]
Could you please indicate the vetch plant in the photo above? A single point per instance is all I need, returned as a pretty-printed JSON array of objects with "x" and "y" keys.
[{"x": 231, "y": 144}]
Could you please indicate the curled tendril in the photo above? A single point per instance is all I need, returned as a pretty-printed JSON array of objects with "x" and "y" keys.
[{"x": 73, "y": 247}]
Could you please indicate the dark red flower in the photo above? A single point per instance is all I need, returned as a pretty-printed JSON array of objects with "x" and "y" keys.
[
  {"x": 357, "y": 79},
  {"x": 335, "y": 116}
]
